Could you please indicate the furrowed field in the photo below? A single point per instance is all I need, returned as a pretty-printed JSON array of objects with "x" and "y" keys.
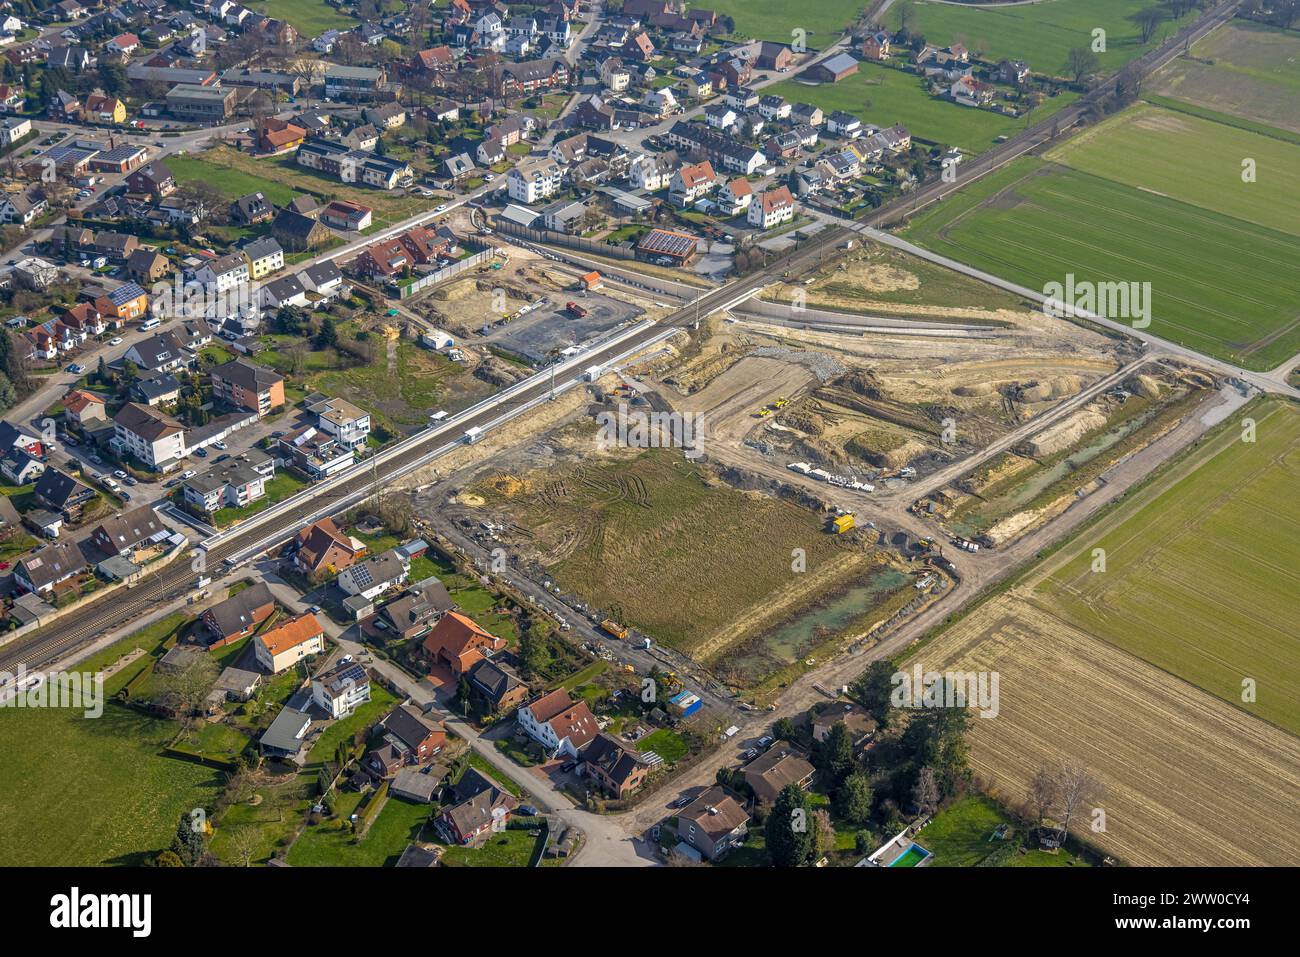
[
  {"x": 1243, "y": 68},
  {"x": 1203, "y": 571},
  {"x": 1149, "y": 148},
  {"x": 1041, "y": 34},
  {"x": 883, "y": 96},
  {"x": 1136, "y": 671},
  {"x": 1220, "y": 285}
]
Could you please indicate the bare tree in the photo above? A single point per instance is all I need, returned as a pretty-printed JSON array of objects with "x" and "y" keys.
[
  {"x": 1043, "y": 794},
  {"x": 925, "y": 795},
  {"x": 1148, "y": 21},
  {"x": 243, "y": 845},
  {"x": 1078, "y": 788}
]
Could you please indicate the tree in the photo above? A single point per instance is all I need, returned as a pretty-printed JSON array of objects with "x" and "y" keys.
[
  {"x": 823, "y": 833},
  {"x": 783, "y": 729},
  {"x": 1078, "y": 788},
  {"x": 1044, "y": 792},
  {"x": 534, "y": 649},
  {"x": 205, "y": 200},
  {"x": 790, "y": 840},
  {"x": 873, "y": 690},
  {"x": 854, "y": 798},
  {"x": 191, "y": 841},
  {"x": 243, "y": 844},
  {"x": 835, "y": 757},
  {"x": 925, "y": 794},
  {"x": 1148, "y": 21},
  {"x": 1081, "y": 62},
  {"x": 328, "y": 337}
]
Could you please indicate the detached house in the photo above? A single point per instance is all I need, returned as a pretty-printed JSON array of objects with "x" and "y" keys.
[
  {"x": 691, "y": 182},
  {"x": 123, "y": 534},
  {"x": 771, "y": 208},
  {"x": 613, "y": 765},
  {"x": 410, "y": 737},
  {"x": 558, "y": 723},
  {"x": 457, "y": 643},
  {"x": 288, "y": 643},
  {"x": 375, "y": 576},
  {"x": 321, "y": 547},
  {"x": 480, "y": 808},
  {"x": 40, "y": 571},
  {"x": 239, "y": 615},
  {"x": 247, "y": 385},
  {"x": 341, "y": 690}
]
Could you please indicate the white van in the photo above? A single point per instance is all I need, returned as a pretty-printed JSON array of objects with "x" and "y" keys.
[{"x": 150, "y": 324}]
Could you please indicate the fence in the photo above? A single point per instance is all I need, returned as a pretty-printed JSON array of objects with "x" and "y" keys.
[
  {"x": 441, "y": 275},
  {"x": 595, "y": 247}
]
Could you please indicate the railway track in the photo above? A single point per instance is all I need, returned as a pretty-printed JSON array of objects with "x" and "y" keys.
[{"x": 172, "y": 583}]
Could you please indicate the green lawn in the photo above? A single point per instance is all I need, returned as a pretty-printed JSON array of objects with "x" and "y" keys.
[
  {"x": 233, "y": 183},
  {"x": 1201, "y": 569},
  {"x": 509, "y": 848},
  {"x": 309, "y": 17},
  {"x": 775, "y": 19},
  {"x": 962, "y": 836},
  {"x": 480, "y": 763},
  {"x": 666, "y": 743},
  {"x": 326, "y": 845},
  {"x": 381, "y": 702},
  {"x": 1041, "y": 34},
  {"x": 80, "y": 791},
  {"x": 1193, "y": 160},
  {"x": 882, "y": 96},
  {"x": 1219, "y": 285}
]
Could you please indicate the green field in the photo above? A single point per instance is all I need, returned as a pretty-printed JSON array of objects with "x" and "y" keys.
[
  {"x": 233, "y": 183},
  {"x": 81, "y": 791},
  {"x": 883, "y": 96},
  {"x": 309, "y": 17},
  {"x": 1203, "y": 569},
  {"x": 1220, "y": 285},
  {"x": 1242, "y": 68},
  {"x": 1193, "y": 160},
  {"x": 775, "y": 19},
  {"x": 326, "y": 845},
  {"x": 1041, "y": 34}
]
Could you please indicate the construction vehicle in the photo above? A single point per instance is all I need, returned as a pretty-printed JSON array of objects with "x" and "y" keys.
[
  {"x": 841, "y": 524},
  {"x": 575, "y": 310},
  {"x": 762, "y": 413},
  {"x": 611, "y": 627},
  {"x": 781, "y": 403}
]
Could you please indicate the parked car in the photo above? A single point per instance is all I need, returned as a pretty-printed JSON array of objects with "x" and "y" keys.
[
  {"x": 115, "y": 341},
  {"x": 201, "y": 453},
  {"x": 680, "y": 803},
  {"x": 751, "y": 754},
  {"x": 440, "y": 208},
  {"x": 568, "y": 766},
  {"x": 119, "y": 473},
  {"x": 188, "y": 474},
  {"x": 76, "y": 368},
  {"x": 526, "y": 810},
  {"x": 131, "y": 480},
  {"x": 765, "y": 740},
  {"x": 124, "y": 495},
  {"x": 219, "y": 444}
]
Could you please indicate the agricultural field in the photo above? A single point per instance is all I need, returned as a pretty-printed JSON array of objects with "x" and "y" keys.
[
  {"x": 883, "y": 96},
  {"x": 308, "y": 17},
  {"x": 1219, "y": 284},
  {"x": 1201, "y": 572},
  {"x": 1136, "y": 672},
  {"x": 625, "y": 532},
  {"x": 1243, "y": 68},
  {"x": 775, "y": 19},
  {"x": 1193, "y": 160},
  {"x": 1041, "y": 34},
  {"x": 97, "y": 791}
]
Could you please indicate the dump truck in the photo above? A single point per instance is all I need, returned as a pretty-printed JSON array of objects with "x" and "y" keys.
[
  {"x": 841, "y": 524},
  {"x": 611, "y": 627},
  {"x": 575, "y": 310}
]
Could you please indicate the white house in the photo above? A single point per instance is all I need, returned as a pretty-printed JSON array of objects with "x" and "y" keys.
[
  {"x": 341, "y": 690},
  {"x": 558, "y": 723},
  {"x": 345, "y": 421},
  {"x": 155, "y": 439},
  {"x": 224, "y": 272},
  {"x": 373, "y": 577},
  {"x": 771, "y": 208},
  {"x": 534, "y": 179}
]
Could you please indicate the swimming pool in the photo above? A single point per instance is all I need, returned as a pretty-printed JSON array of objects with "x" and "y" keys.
[{"x": 911, "y": 857}]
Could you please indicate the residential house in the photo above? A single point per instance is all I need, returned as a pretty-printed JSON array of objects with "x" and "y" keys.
[
  {"x": 100, "y": 108},
  {"x": 239, "y": 615},
  {"x": 558, "y": 723},
  {"x": 714, "y": 823},
  {"x": 347, "y": 216},
  {"x": 60, "y": 492},
  {"x": 47, "y": 567},
  {"x": 534, "y": 179},
  {"x": 153, "y": 179},
  {"x": 20, "y": 468},
  {"x": 613, "y": 765},
  {"x": 234, "y": 483},
  {"x": 776, "y": 768},
  {"x": 247, "y": 385},
  {"x": 457, "y": 642},
  {"x": 124, "y": 533},
  {"x": 345, "y": 421},
  {"x": 264, "y": 256},
  {"x": 161, "y": 352},
  {"x": 376, "y": 575},
  {"x": 147, "y": 265},
  {"x": 495, "y": 686},
  {"x": 692, "y": 182},
  {"x": 341, "y": 690},
  {"x": 84, "y": 409},
  {"x": 735, "y": 197},
  {"x": 289, "y": 642},
  {"x": 313, "y": 452},
  {"x": 876, "y": 46},
  {"x": 771, "y": 208},
  {"x": 414, "y": 613},
  {"x": 410, "y": 737},
  {"x": 322, "y": 548},
  {"x": 153, "y": 438},
  {"x": 251, "y": 209}
]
